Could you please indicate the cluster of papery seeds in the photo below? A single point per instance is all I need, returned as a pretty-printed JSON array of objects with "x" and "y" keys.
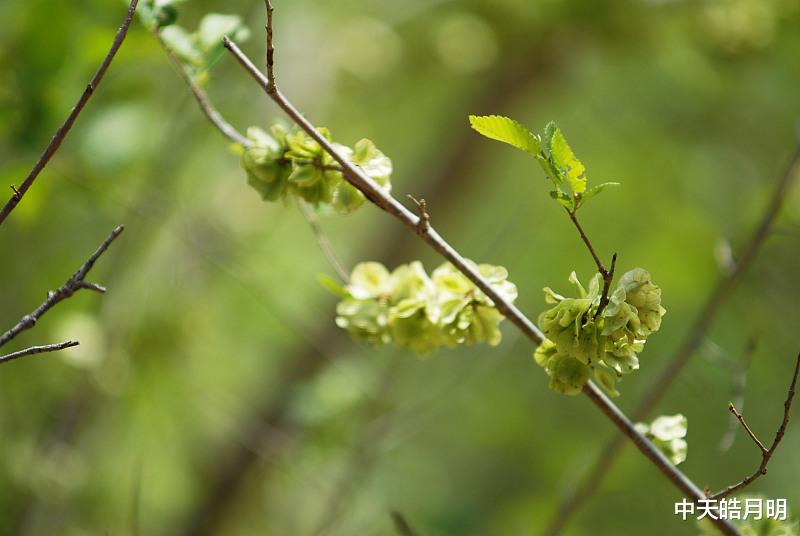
[
  {"x": 413, "y": 310},
  {"x": 582, "y": 343},
  {"x": 291, "y": 164}
]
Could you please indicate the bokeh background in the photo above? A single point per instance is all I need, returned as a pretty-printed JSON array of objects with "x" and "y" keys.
[{"x": 212, "y": 393}]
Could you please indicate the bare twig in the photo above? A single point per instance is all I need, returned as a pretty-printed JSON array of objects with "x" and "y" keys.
[
  {"x": 386, "y": 202},
  {"x": 323, "y": 241},
  {"x": 661, "y": 384},
  {"x": 63, "y": 130},
  {"x": 37, "y": 350},
  {"x": 607, "y": 280},
  {"x": 747, "y": 429},
  {"x": 766, "y": 453},
  {"x": 228, "y": 130},
  {"x": 600, "y": 267},
  {"x": 75, "y": 283},
  {"x": 401, "y": 524},
  {"x": 424, "y": 223}
]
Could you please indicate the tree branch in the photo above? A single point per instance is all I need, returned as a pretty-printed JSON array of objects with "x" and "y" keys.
[
  {"x": 386, "y": 202},
  {"x": 63, "y": 130},
  {"x": 401, "y": 524},
  {"x": 323, "y": 241},
  {"x": 37, "y": 350},
  {"x": 268, "y": 415},
  {"x": 75, "y": 283},
  {"x": 661, "y": 384},
  {"x": 208, "y": 109},
  {"x": 766, "y": 453}
]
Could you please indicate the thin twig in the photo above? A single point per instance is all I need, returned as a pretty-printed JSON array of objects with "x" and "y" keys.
[
  {"x": 75, "y": 283},
  {"x": 227, "y": 130},
  {"x": 766, "y": 453},
  {"x": 386, "y": 202},
  {"x": 600, "y": 267},
  {"x": 401, "y": 524},
  {"x": 63, "y": 130},
  {"x": 37, "y": 350},
  {"x": 694, "y": 337},
  {"x": 323, "y": 241},
  {"x": 607, "y": 280},
  {"x": 747, "y": 429}
]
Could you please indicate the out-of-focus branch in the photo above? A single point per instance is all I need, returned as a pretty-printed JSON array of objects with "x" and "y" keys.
[
  {"x": 322, "y": 240},
  {"x": 659, "y": 387},
  {"x": 75, "y": 283},
  {"x": 389, "y": 204},
  {"x": 401, "y": 524},
  {"x": 208, "y": 109},
  {"x": 63, "y": 130},
  {"x": 766, "y": 453},
  {"x": 33, "y": 350}
]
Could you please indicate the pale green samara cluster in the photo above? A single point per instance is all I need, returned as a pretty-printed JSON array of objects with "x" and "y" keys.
[
  {"x": 668, "y": 434},
  {"x": 584, "y": 341},
  {"x": 586, "y": 337},
  {"x": 421, "y": 312},
  {"x": 284, "y": 165}
]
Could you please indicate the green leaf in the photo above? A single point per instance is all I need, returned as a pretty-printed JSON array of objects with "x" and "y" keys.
[
  {"x": 506, "y": 130},
  {"x": 562, "y": 198},
  {"x": 549, "y": 130},
  {"x": 594, "y": 190},
  {"x": 182, "y": 43},
  {"x": 214, "y": 26},
  {"x": 568, "y": 163}
]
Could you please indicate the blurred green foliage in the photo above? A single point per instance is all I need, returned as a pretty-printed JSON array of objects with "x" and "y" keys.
[{"x": 692, "y": 106}]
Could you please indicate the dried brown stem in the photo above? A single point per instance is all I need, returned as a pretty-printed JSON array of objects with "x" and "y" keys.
[
  {"x": 766, "y": 453},
  {"x": 63, "y": 130},
  {"x": 33, "y": 350},
  {"x": 75, "y": 283},
  {"x": 661, "y": 384},
  {"x": 384, "y": 201}
]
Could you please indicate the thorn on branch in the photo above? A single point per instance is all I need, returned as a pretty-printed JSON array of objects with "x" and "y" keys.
[
  {"x": 17, "y": 195},
  {"x": 766, "y": 453},
  {"x": 424, "y": 223}
]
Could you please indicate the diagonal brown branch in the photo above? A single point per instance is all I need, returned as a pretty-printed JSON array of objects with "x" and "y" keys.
[
  {"x": 384, "y": 201},
  {"x": 766, "y": 453},
  {"x": 33, "y": 350},
  {"x": 661, "y": 384},
  {"x": 401, "y": 524},
  {"x": 63, "y": 130},
  {"x": 267, "y": 417},
  {"x": 75, "y": 283}
]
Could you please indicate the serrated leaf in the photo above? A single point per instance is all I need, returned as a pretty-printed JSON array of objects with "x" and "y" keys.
[
  {"x": 568, "y": 163},
  {"x": 507, "y": 131},
  {"x": 594, "y": 190},
  {"x": 549, "y": 130}
]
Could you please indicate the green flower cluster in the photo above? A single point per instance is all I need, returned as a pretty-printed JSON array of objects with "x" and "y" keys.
[
  {"x": 291, "y": 164},
  {"x": 582, "y": 343},
  {"x": 413, "y": 310},
  {"x": 668, "y": 434}
]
